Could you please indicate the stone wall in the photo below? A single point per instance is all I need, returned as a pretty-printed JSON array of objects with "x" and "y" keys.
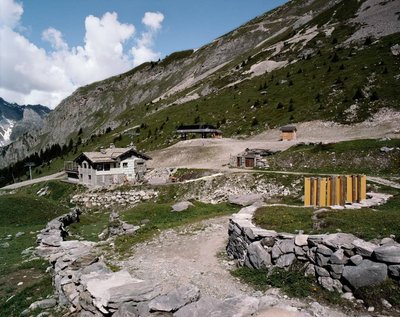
[
  {"x": 107, "y": 199},
  {"x": 339, "y": 261}
]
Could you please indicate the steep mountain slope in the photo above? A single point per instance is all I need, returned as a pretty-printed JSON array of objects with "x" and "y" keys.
[
  {"x": 15, "y": 120},
  {"x": 308, "y": 59}
]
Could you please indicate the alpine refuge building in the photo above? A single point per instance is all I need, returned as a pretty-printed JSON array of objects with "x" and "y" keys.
[
  {"x": 204, "y": 130},
  {"x": 250, "y": 158},
  {"x": 109, "y": 166},
  {"x": 288, "y": 133}
]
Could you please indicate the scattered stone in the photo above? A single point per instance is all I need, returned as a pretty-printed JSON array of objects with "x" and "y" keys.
[
  {"x": 126, "y": 310},
  {"x": 18, "y": 234},
  {"x": 5, "y": 245},
  {"x": 330, "y": 284},
  {"x": 395, "y": 49},
  {"x": 385, "y": 303},
  {"x": 394, "y": 270},
  {"x": 338, "y": 257},
  {"x": 301, "y": 240},
  {"x": 181, "y": 206}
]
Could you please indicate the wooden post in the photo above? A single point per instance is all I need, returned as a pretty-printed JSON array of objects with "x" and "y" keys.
[
  {"x": 363, "y": 187},
  {"x": 307, "y": 191},
  {"x": 322, "y": 192},
  {"x": 349, "y": 189},
  {"x": 329, "y": 191}
]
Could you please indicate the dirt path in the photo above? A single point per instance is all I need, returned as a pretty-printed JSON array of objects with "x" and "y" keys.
[
  {"x": 35, "y": 180},
  {"x": 195, "y": 255}
]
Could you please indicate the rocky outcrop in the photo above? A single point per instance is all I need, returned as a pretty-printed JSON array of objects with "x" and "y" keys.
[{"x": 340, "y": 261}]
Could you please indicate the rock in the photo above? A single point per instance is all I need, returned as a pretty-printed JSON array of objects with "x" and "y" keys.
[
  {"x": 336, "y": 268},
  {"x": 132, "y": 292},
  {"x": 367, "y": 273},
  {"x": 310, "y": 270},
  {"x": 321, "y": 259},
  {"x": 387, "y": 241},
  {"x": 18, "y": 234},
  {"x": 321, "y": 249},
  {"x": 395, "y": 49},
  {"x": 285, "y": 260},
  {"x": 43, "y": 304},
  {"x": 258, "y": 256},
  {"x": 286, "y": 246},
  {"x": 338, "y": 257},
  {"x": 348, "y": 295},
  {"x": 321, "y": 271},
  {"x": 339, "y": 240},
  {"x": 330, "y": 284},
  {"x": 386, "y": 149},
  {"x": 245, "y": 200},
  {"x": 236, "y": 306},
  {"x": 126, "y": 310},
  {"x": 204, "y": 307},
  {"x": 181, "y": 206},
  {"x": 268, "y": 242},
  {"x": 388, "y": 253},
  {"x": 356, "y": 259},
  {"x": 176, "y": 299},
  {"x": 301, "y": 240},
  {"x": 364, "y": 248},
  {"x": 5, "y": 245},
  {"x": 394, "y": 270}
]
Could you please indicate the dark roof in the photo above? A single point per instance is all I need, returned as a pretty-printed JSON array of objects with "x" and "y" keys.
[
  {"x": 288, "y": 128},
  {"x": 197, "y": 128},
  {"x": 255, "y": 152},
  {"x": 110, "y": 155}
]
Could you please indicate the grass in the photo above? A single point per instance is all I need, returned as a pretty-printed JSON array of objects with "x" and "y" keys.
[
  {"x": 292, "y": 282},
  {"x": 379, "y": 222},
  {"x": 158, "y": 217},
  {"x": 23, "y": 211},
  {"x": 92, "y": 222},
  {"x": 286, "y": 219},
  {"x": 366, "y": 223},
  {"x": 373, "y": 295},
  {"x": 352, "y": 157}
]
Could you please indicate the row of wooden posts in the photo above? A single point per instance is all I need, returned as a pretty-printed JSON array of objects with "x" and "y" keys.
[{"x": 334, "y": 190}]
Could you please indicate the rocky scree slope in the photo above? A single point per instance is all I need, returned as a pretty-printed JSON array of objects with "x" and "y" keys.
[
  {"x": 304, "y": 60},
  {"x": 15, "y": 120}
]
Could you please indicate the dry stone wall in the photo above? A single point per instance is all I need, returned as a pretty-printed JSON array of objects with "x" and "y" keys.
[{"x": 340, "y": 262}]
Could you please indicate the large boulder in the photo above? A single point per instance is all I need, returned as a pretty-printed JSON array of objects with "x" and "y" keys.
[
  {"x": 175, "y": 299},
  {"x": 367, "y": 273},
  {"x": 364, "y": 248}
]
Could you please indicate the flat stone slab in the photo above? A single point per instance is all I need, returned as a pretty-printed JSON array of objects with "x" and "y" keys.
[{"x": 176, "y": 299}]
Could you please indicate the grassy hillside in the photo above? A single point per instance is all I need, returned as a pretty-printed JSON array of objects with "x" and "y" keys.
[{"x": 22, "y": 215}]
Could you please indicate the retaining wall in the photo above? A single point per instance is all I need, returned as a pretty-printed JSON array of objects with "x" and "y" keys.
[{"x": 339, "y": 261}]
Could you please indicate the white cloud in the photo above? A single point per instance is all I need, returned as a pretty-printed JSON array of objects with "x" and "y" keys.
[
  {"x": 54, "y": 37},
  {"x": 153, "y": 20},
  {"x": 143, "y": 50},
  {"x": 29, "y": 74},
  {"x": 10, "y": 13}
]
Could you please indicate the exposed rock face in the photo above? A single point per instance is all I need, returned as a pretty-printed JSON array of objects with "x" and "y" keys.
[
  {"x": 339, "y": 261},
  {"x": 15, "y": 120}
]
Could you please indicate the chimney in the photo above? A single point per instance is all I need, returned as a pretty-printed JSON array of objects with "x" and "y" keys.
[
  {"x": 102, "y": 150},
  {"x": 112, "y": 146}
]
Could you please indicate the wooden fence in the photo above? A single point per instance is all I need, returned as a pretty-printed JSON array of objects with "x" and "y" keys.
[{"x": 334, "y": 190}]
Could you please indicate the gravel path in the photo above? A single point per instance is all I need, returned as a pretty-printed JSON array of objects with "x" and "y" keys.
[
  {"x": 35, "y": 180},
  {"x": 194, "y": 254}
]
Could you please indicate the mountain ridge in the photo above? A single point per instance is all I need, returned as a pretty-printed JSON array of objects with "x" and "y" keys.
[
  {"x": 15, "y": 120},
  {"x": 291, "y": 39}
]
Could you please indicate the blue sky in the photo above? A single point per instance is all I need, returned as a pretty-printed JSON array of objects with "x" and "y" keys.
[{"x": 49, "y": 48}]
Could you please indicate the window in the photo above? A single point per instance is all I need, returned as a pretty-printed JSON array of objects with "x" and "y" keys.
[
  {"x": 125, "y": 165},
  {"x": 84, "y": 165},
  {"x": 90, "y": 177},
  {"x": 107, "y": 167},
  {"x": 99, "y": 167}
]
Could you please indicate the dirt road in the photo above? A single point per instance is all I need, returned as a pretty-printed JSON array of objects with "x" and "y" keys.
[{"x": 35, "y": 180}]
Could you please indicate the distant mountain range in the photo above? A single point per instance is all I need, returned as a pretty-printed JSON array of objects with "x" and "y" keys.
[
  {"x": 335, "y": 60},
  {"x": 15, "y": 120}
]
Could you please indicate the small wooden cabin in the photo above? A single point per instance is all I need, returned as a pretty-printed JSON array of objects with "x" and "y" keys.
[
  {"x": 251, "y": 158},
  {"x": 288, "y": 133}
]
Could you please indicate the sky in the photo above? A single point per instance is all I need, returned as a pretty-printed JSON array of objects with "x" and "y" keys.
[{"x": 50, "y": 48}]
